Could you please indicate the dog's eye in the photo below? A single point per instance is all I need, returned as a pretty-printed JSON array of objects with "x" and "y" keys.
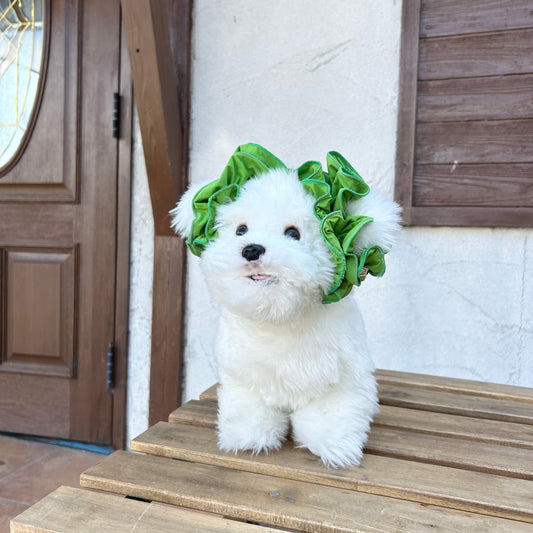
[
  {"x": 293, "y": 233},
  {"x": 241, "y": 230}
]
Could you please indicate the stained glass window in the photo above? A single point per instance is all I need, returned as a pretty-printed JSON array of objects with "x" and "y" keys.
[{"x": 21, "y": 49}]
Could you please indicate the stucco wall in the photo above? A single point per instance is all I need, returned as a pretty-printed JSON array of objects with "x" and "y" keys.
[{"x": 303, "y": 77}]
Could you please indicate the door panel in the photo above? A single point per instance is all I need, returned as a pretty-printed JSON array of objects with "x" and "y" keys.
[
  {"x": 52, "y": 145},
  {"x": 58, "y": 224},
  {"x": 40, "y": 311}
]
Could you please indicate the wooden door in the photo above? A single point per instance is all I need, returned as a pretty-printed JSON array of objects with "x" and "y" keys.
[{"x": 58, "y": 234}]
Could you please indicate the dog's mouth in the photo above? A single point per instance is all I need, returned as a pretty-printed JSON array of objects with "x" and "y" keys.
[{"x": 262, "y": 278}]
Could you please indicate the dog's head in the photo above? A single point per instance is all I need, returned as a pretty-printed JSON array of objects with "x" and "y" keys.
[{"x": 267, "y": 249}]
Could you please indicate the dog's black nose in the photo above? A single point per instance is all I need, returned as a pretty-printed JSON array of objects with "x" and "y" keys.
[{"x": 252, "y": 252}]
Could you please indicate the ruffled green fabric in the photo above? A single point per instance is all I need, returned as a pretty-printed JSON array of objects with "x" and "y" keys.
[{"x": 332, "y": 189}]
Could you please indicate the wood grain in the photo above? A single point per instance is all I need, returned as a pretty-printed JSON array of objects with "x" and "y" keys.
[
  {"x": 385, "y": 476},
  {"x": 473, "y": 185},
  {"x": 81, "y": 511},
  {"x": 485, "y": 98},
  {"x": 168, "y": 307},
  {"x": 453, "y": 17},
  {"x": 276, "y": 501},
  {"x": 486, "y": 54},
  {"x": 204, "y": 414},
  {"x": 457, "y": 404},
  {"x": 498, "y": 141},
  {"x": 454, "y": 385}
]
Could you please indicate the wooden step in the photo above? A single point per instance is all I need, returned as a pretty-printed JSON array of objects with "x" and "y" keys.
[
  {"x": 204, "y": 413},
  {"x": 424, "y": 483},
  {"x": 436, "y": 383},
  {"x": 70, "y": 510},
  {"x": 277, "y": 501}
]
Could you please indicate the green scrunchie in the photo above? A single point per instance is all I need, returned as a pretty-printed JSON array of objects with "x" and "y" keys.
[{"x": 332, "y": 189}]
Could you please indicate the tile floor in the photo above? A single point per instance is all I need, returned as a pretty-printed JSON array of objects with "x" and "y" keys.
[{"x": 30, "y": 470}]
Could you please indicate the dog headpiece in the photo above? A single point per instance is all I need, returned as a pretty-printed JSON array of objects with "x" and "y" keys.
[{"x": 332, "y": 190}]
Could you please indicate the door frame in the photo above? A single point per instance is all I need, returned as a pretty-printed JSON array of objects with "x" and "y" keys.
[{"x": 124, "y": 147}]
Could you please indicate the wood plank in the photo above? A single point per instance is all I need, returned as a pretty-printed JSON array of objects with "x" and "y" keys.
[
  {"x": 276, "y": 501},
  {"x": 160, "y": 71},
  {"x": 485, "y": 98},
  {"x": 163, "y": 128},
  {"x": 438, "y": 485},
  {"x": 486, "y": 54},
  {"x": 447, "y": 451},
  {"x": 452, "y": 17},
  {"x": 210, "y": 394},
  {"x": 70, "y": 510},
  {"x": 407, "y": 102},
  {"x": 204, "y": 414},
  {"x": 428, "y": 445},
  {"x": 460, "y": 427},
  {"x": 458, "y": 404},
  {"x": 455, "y": 385},
  {"x": 454, "y": 216},
  {"x": 168, "y": 309},
  {"x": 500, "y": 141},
  {"x": 487, "y": 185}
]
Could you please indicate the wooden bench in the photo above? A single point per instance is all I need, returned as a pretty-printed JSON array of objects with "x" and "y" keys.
[{"x": 443, "y": 455}]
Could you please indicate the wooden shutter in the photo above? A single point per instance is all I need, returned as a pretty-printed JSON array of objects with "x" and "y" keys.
[{"x": 465, "y": 130}]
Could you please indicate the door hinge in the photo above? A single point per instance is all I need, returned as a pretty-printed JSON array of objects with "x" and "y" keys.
[
  {"x": 116, "y": 115},
  {"x": 110, "y": 366}
]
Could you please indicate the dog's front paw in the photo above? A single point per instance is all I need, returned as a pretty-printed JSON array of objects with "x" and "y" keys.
[{"x": 240, "y": 436}]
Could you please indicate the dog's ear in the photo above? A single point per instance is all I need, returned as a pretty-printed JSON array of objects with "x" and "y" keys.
[
  {"x": 383, "y": 230},
  {"x": 182, "y": 215}
]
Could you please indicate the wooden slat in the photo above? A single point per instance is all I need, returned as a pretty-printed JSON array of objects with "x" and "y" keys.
[
  {"x": 438, "y": 485},
  {"x": 458, "y": 404},
  {"x": 455, "y": 385},
  {"x": 70, "y": 510},
  {"x": 486, "y": 98},
  {"x": 276, "y": 501},
  {"x": 500, "y": 141},
  {"x": 447, "y": 451},
  {"x": 423, "y": 446},
  {"x": 487, "y": 54},
  {"x": 210, "y": 394},
  {"x": 451, "y": 17},
  {"x": 197, "y": 413},
  {"x": 496, "y": 184},
  {"x": 407, "y": 101},
  {"x": 461, "y": 427},
  {"x": 204, "y": 414}
]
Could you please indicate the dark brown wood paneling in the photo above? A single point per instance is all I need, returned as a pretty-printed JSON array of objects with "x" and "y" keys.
[
  {"x": 487, "y": 54},
  {"x": 504, "y": 141},
  {"x": 486, "y": 98},
  {"x": 405, "y": 139},
  {"x": 456, "y": 17},
  {"x": 35, "y": 407},
  {"x": 512, "y": 217},
  {"x": 489, "y": 185},
  {"x": 39, "y": 311},
  {"x": 471, "y": 160},
  {"x": 58, "y": 231},
  {"x": 57, "y": 112},
  {"x": 123, "y": 249}
]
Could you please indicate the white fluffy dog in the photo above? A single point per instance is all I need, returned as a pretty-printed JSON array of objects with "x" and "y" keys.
[{"x": 286, "y": 360}]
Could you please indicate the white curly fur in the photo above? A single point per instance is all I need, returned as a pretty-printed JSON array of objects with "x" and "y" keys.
[{"x": 285, "y": 359}]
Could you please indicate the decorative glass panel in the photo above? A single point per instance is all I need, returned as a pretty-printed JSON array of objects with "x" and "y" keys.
[{"x": 21, "y": 50}]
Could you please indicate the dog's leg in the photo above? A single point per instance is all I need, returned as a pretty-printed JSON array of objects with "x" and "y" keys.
[
  {"x": 246, "y": 423},
  {"x": 335, "y": 426}
]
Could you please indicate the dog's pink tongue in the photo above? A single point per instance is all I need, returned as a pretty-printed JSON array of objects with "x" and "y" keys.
[{"x": 260, "y": 276}]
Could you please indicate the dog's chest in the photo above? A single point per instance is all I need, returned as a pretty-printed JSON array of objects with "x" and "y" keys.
[{"x": 287, "y": 369}]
